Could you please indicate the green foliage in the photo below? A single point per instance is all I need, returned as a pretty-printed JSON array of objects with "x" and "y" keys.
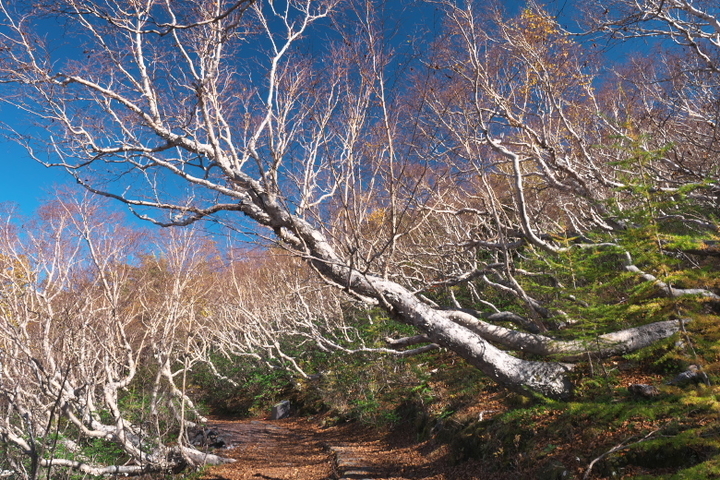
[
  {"x": 257, "y": 387},
  {"x": 368, "y": 389},
  {"x": 103, "y": 452}
]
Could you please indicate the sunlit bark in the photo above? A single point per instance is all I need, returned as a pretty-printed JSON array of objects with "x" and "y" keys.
[
  {"x": 77, "y": 337},
  {"x": 388, "y": 179}
]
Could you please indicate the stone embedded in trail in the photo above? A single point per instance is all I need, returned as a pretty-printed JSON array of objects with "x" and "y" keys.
[
  {"x": 360, "y": 474},
  {"x": 344, "y": 462},
  {"x": 350, "y": 465},
  {"x": 281, "y": 410}
]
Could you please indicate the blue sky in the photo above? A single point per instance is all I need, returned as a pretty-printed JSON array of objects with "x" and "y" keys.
[{"x": 23, "y": 181}]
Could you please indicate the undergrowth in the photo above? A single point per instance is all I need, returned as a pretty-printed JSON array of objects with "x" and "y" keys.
[{"x": 605, "y": 431}]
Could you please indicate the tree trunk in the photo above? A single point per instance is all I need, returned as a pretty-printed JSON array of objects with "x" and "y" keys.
[{"x": 546, "y": 378}]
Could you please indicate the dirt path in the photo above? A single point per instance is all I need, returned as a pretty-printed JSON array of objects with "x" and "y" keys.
[
  {"x": 300, "y": 449},
  {"x": 284, "y": 449}
]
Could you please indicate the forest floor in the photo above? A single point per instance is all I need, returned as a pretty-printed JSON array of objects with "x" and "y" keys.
[
  {"x": 300, "y": 448},
  {"x": 492, "y": 437}
]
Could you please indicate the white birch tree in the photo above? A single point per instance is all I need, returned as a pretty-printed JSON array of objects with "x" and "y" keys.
[{"x": 300, "y": 124}]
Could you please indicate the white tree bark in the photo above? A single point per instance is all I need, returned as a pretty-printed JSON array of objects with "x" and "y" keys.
[
  {"x": 77, "y": 323},
  {"x": 386, "y": 194}
]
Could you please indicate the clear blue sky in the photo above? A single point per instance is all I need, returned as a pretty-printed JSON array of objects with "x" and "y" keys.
[{"x": 22, "y": 180}]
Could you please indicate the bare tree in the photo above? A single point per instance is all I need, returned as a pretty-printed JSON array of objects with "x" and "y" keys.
[
  {"x": 78, "y": 337},
  {"x": 230, "y": 109},
  {"x": 675, "y": 96}
]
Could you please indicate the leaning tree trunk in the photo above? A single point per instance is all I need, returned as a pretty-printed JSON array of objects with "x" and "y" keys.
[{"x": 546, "y": 378}]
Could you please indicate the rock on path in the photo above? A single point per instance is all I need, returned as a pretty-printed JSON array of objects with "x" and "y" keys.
[{"x": 351, "y": 464}]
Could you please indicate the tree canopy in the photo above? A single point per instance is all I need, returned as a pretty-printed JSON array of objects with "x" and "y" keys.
[{"x": 498, "y": 182}]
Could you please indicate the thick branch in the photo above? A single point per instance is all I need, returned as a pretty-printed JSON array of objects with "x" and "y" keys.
[
  {"x": 667, "y": 289},
  {"x": 607, "y": 345},
  {"x": 407, "y": 341}
]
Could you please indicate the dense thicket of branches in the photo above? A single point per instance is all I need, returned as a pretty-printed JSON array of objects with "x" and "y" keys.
[
  {"x": 459, "y": 179},
  {"x": 100, "y": 326}
]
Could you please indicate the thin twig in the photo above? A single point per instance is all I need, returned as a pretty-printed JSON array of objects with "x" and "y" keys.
[{"x": 616, "y": 448}]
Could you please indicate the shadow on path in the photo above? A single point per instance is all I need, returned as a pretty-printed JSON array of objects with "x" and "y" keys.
[{"x": 300, "y": 449}]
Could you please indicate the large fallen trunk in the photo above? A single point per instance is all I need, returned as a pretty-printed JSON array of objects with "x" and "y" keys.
[
  {"x": 467, "y": 335},
  {"x": 547, "y": 378}
]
